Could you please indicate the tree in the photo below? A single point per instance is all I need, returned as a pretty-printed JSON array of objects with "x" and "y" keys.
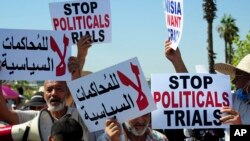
[
  {"x": 209, "y": 8},
  {"x": 242, "y": 50},
  {"x": 25, "y": 85},
  {"x": 228, "y": 31}
]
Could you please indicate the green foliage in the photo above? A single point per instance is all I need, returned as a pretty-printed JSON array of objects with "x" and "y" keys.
[
  {"x": 242, "y": 50},
  {"x": 28, "y": 89},
  {"x": 209, "y": 9},
  {"x": 228, "y": 31}
]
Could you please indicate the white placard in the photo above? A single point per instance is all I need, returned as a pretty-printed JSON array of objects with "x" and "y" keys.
[
  {"x": 34, "y": 55},
  {"x": 174, "y": 20},
  {"x": 120, "y": 92},
  {"x": 81, "y": 17},
  {"x": 189, "y": 100}
]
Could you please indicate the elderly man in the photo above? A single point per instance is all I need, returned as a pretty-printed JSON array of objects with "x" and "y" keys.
[
  {"x": 133, "y": 130},
  {"x": 56, "y": 94}
]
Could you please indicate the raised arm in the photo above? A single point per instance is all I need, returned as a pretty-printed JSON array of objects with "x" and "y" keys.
[
  {"x": 174, "y": 56},
  {"x": 74, "y": 68},
  {"x": 76, "y": 63},
  {"x": 83, "y": 45}
]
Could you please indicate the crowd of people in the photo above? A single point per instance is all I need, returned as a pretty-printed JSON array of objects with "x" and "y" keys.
[{"x": 68, "y": 125}]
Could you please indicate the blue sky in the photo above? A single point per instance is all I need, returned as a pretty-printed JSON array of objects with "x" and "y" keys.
[{"x": 138, "y": 30}]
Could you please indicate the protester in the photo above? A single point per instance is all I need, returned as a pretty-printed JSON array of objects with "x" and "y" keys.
[
  {"x": 36, "y": 102},
  {"x": 175, "y": 57},
  {"x": 83, "y": 45},
  {"x": 199, "y": 134},
  {"x": 66, "y": 129},
  {"x": 239, "y": 112},
  {"x": 55, "y": 95},
  {"x": 21, "y": 98},
  {"x": 133, "y": 130}
]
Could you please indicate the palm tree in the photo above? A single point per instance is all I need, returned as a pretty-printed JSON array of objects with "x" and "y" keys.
[
  {"x": 228, "y": 31},
  {"x": 209, "y": 8}
]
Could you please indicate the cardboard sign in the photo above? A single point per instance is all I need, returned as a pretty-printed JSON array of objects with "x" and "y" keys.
[
  {"x": 92, "y": 17},
  {"x": 174, "y": 20},
  {"x": 34, "y": 55},
  {"x": 120, "y": 92},
  {"x": 189, "y": 100}
]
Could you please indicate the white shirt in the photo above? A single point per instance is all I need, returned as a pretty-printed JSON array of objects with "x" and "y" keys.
[{"x": 28, "y": 115}]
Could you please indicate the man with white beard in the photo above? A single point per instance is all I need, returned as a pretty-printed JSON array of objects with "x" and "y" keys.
[
  {"x": 137, "y": 129},
  {"x": 56, "y": 94}
]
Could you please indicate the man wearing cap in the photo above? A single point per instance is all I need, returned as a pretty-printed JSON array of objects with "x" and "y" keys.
[{"x": 36, "y": 102}]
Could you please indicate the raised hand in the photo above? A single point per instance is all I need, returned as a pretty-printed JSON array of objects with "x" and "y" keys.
[
  {"x": 83, "y": 45},
  {"x": 175, "y": 57},
  {"x": 74, "y": 68},
  {"x": 230, "y": 116},
  {"x": 113, "y": 129}
]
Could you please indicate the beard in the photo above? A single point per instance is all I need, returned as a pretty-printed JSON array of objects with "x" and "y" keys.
[
  {"x": 56, "y": 108},
  {"x": 135, "y": 131}
]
